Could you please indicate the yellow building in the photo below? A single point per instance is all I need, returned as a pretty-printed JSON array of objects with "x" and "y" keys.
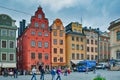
[
  {"x": 58, "y": 51},
  {"x": 75, "y": 44}
]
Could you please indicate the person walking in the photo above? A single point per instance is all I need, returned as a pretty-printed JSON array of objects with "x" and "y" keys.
[
  {"x": 58, "y": 73},
  {"x": 15, "y": 73},
  {"x": 53, "y": 73},
  {"x": 42, "y": 73},
  {"x": 65, "y": 72},
  {"x": 33, "y": 73},
  {"x": 11, "y": 73}
]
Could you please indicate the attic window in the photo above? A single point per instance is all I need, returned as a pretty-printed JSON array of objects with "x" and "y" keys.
[{"x": 39, "y": 16}]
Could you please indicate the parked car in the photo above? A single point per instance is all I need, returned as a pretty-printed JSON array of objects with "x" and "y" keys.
[{"x": 101, "y": 66}]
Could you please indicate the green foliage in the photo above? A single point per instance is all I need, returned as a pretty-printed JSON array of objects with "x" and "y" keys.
[{"x": 99, "y": 78}]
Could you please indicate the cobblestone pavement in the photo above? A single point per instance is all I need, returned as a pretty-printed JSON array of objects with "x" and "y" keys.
[{"x": 109, "y": 75}]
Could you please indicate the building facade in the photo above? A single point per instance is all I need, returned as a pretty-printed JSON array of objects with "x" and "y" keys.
[
  {"x": 75, "y": 44},
  {"x": 92, "y": 43},
  {"x": 115, "y": 39},
  {"x": 104, "y": 47},
  {"x": 58, "y": 44},
  {"x": 7, "y": 42},
  {"x": 33, "y": 43}
]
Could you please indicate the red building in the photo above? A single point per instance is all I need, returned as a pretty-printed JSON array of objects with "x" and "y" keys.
[{"x": 33, "y": 43}]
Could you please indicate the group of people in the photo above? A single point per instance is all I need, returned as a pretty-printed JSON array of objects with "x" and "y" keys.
[
  {"x": 53, "y": 72},
  {"x": 11, "y": 72}
]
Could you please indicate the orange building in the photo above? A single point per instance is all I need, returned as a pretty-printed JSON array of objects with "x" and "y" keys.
[
  {"x": 33, "y": 43},
  {"x": 58, "y": 51}
]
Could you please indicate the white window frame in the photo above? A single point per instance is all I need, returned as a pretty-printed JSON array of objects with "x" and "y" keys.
[
  {"x": 12, "y": 35},
  {"x": 3, "y": 34},
  {"x": 6, "y": 43},
  {"x": 13, "y": 44},
  {"x": 1, "y": 56},
  {"x": 13, "y": 56}
]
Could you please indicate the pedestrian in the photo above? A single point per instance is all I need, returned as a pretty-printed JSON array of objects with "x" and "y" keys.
[
  {"x": 58, "y": 73},
  {"x": 65, "y": 72},
  {"x": 94, "y": 70},
  {"x": 42, "y": 71},
  {"x": 87, "y": 70},
  {"x": 11, "y": 72},
  {"x": 15, "y": 73},
  {"x": 5, "y": 72},
  {"x": 69, "y": 71},
  {"x": 33, "y": 73},
  {"x": 53, "y": 73}
]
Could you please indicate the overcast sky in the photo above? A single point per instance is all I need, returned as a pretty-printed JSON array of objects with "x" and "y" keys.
[{"x": 94, "y": 13}]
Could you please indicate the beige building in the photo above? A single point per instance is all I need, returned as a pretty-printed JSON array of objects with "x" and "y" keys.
[
  {"x": 92, "y": 43},
  {"x": 115, "y": 39}
]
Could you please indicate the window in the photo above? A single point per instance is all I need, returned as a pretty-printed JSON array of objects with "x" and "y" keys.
[
  {"x": 87, "y": 41},
  {"x": 46, "y": 34},
  {"x": 72, "y": 38},
  {"x": 74, "y": 30},
  {"x": 58, "y": 27},
  {"x": 77, "y": 55},
  {"x": 11, "y": 44},
  {"x": 88, "y": 49},
  {"x": 3, "y": 32},
  {"x": 81, "y": 39},
  {"x": 82, "y": 56},
  {"x": 33, "y": 43},
  {"x": 92, "y": 57},
  {"x": 55, "y": 50},
  {"x": 77, "y": 38},
  {"x": 61, "y": 34},
  {"x": 95, "y": 57},
  {"x": 39, "y": 33},
  {"x": 46, "y": 56},
  {"x": 55, "y": 59},
  {"x": 82, "y": 47},
  {"x": 39, "y": 16},
  {"x": 73, "y": 46},
  {"x": 92, "y": 49},
  {"x": 88, "y": 57},
  {"x": 55, "y": 33},
  {"x": 36, "y": 24},
  {"x": 11, "y": 57},
  {"x": 32, "y": 33},
  {"x": 91, "y": 41},
  {"x": 46, "y": 44},
  {"x": 73, "y": 56},
  {"x": 61, "y": 51},
  {"x": 39, "y": 55},
  {"x": 61, "y": 59},
  {"x": 55, "y": 41},
  {"x": 39, "y": 44},
  {"x": 118, "y": 55},
  {"x": 12, "y": 33},
  {"x": 77, "y": 46},
  {"x": 61, "y": 42},
  {"x": 43, "y": 25},
  {"x": 32, "y": 55},
  {"x": 96, "y": 50},
  {"x": 118, "y": 35},
  {"x": 4, "y": 44},
  {"x": 96, "y": 42},
  {"x": 4, "y": 56}
]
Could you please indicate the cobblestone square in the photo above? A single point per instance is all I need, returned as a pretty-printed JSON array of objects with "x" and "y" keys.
[{"x": 109, "y": 75}]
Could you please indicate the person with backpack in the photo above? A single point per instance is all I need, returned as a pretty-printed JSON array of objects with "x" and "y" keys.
[
  {"x": 42, "y": 73},
  {"x": 53, "y": 73}
]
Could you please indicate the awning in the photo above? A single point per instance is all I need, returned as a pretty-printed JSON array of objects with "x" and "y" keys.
[
  {"x": 76, "y": 61},
  {"x": 7, "y": 65}
]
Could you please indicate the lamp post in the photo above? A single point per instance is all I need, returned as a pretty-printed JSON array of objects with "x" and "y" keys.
[{"x": 98, "y": 44}]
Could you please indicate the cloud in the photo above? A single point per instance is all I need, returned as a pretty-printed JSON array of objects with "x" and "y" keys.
[{"x": 56, "y": 5}]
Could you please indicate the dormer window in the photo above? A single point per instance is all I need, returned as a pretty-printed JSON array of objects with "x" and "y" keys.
[{"x": 39, "y": 16}]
